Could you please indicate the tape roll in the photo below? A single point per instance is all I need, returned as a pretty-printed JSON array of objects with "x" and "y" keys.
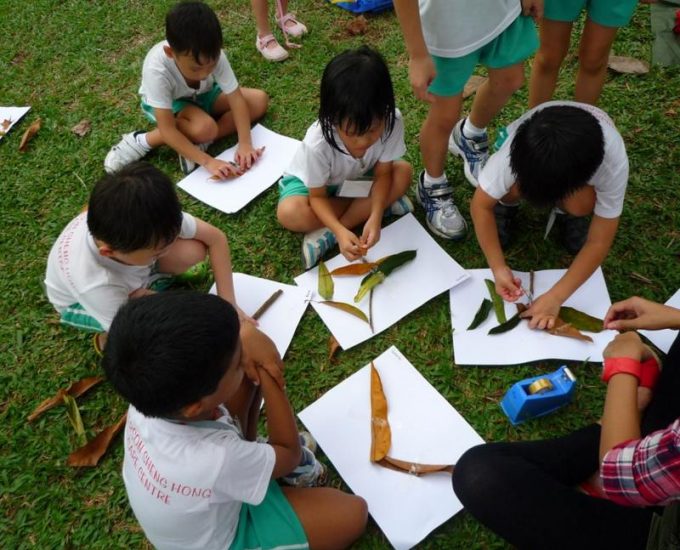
[{"x": 541, "y": 385}]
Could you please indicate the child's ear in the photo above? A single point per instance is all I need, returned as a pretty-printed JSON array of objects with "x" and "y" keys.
[
  {"x": 106, "y": 251},
  {"x": 192, "y": 410},
  {"x": 168, "y": 51}
]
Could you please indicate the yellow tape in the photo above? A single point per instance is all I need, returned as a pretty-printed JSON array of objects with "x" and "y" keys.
[{"x": 541, "y": 385}]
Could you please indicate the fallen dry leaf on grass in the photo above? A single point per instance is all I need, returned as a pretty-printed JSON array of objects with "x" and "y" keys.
[
  {"x": 82, "y": 128},
  {"x": 29, "y": 133},
  {"x": 357, "y": 26},
  {"x": 74, "y": 390},
  {"x": 90, "y": 453},
  {"x": 4, "y": 126},
  {"x": 473, "y": 84},
  {"x": 333, "y": 347},
  {"x": 627, "y": 65}
]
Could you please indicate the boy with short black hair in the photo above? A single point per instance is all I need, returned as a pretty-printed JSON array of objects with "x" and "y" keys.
[
  {"x": 132, "y": 233},
  {"x": 194, "y": 473},
  {"x": 562, "y": 154},
  {"x": 191, "y": 93}
]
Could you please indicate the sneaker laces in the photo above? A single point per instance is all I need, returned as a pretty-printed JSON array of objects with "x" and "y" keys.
[{"x": 441, "y": 196}]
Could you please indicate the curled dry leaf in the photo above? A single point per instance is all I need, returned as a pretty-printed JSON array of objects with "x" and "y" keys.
[
  {"x": 357, "y": 26},
  {"x": 90, "y": 453},
  {"x": 347, "y": 308},
  {"x": 473, "y": 84},
  {"x": 627, "y": 65},
  {"x": 325, "y": 285},
  {"x": 354, "y": 269},
  {"x": 381, "y": 435},
  {"x": 74, "y": 390},
  {"x": 414, "y": 468},
  {"x": 333, "y": 347},
  {"x": 29, "y": 133},
  {"x": 82, "y": 128}
]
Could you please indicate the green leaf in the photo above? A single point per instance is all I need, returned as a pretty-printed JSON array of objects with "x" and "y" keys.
[
  {"x": 390, "y": 263},
  {"x": 73, "y": 414},
  {"x": 368, "y": 283},
  {"x": 498, "y": 305},
  {"x": 326, "y": 286},
  {"x": 508, "y": 325},
  {"x": 482, "y": 313},
  {"x": 580, "y": 320},
  {"x": 348, "y": 308}
]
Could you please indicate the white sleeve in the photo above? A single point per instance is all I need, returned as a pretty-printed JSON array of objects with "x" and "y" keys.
[
  {"x": 394, "y": 147},
  {"x": 188, "y": 229},
  {"x": 496, "y": 177},
  {"x": 224, "y": 75},
  {"x": 611, "y": 181},
  {"x": 157, "y": 87},
  {"x": 103, "y": 302},
  {"x": 311, "y": 166},
  {"x": 245, "y": 472}
]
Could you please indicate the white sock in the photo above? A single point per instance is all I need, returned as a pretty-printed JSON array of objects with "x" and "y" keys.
[
  {"x": 429, "y": 180},
  {"x": 471, "y": 131},
  {"x": 510, "y": 204},
  {"x": 141, "y": 140}
]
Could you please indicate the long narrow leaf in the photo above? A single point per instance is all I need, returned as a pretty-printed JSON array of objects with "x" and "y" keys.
[
  {"x": 73, "y": 414},
  {"x": 367, "y": 284},
  {"x": 326, "y": 286},
  {"x": 508, "y": 325},
  {"x": 580, "y": 320},
  {"x": 90, "y": 453},
  {"x": 482, "y": 314},
  {"x": 347, "y": 308},
  {"x": 354, "y": 269},
  {"x": 498, "y": 305},
  {"x": 74, "y": 390}
]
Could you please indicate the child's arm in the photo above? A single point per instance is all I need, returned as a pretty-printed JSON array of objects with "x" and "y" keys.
[
  {"x": 637, "y": 313},
  {"x": 246, "y": 155},
  {"x": 382, "y": 179},
  {"x": 481, "y": 210},
  {"x": 220, "y": 259},
  {"x": 349, "y": 243},
  {"x": 421, "y": 69},
  {"x": 167, "y": 126},
  {"x": 281, "y": 428},
  {"x": 600, "y": 237}
]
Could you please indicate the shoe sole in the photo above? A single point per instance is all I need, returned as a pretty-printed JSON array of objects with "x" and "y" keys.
[
  {"x": 456, "y": 151},
  {"x": 457, "y": 237}
]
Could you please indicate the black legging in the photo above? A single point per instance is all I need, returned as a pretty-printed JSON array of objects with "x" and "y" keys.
[{"x": 524, "y": 491}]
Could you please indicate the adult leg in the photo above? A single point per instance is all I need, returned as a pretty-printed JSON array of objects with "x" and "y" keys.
[
  {"x": 257, "y": 101},
  {"x": 555, "y": 38},
  {"x": 434, "y": 135},
  {"x": 331, "y": 519},
  {"x": 525, "y": 492},
  {"x": 495, "y": 93},
  {"x": 593, "y": 55}
]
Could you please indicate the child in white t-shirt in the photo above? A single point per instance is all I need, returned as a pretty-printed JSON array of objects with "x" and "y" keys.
[
  {"x": 347, "y": 170},
  {"x": 565, "y": 155},
  {"x": 132, "y": 232},
  {"x": 191, "y": 93},
  {"x": 195, "y": 475}
]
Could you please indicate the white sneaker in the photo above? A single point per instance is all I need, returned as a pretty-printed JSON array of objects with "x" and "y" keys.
[
  {"x": 315, "y": 245},
  {"x": 442, "y": 215},
  {"x": 473, "y": 151},
  {"x": 127, "y": 150},
  {"x": 187, "y": 165},
  {"x": 401, "y": 206}
]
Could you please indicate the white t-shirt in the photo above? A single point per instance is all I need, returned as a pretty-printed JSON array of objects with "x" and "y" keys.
[
  {"x": 610, "y": 179},
  {"x": 77, "y": 273},
  {"x": 454, "y": 28},
  {"x": 186, "y": 483},
  {"x": 316, "y": 163},
  {"x": 162, "y": 82}
]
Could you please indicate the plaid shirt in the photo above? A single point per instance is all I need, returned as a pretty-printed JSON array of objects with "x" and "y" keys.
[{"x": 644, "y": 472}]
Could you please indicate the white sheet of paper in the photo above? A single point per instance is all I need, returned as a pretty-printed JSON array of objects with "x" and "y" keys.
[
  {"x": 407, "y": 288},
  {"x": 425, "y": 428},
  {"x": 231, "y": 195},
  {"x": 13, "y": 114},
  {"x": 521, "y": 344},
  {"x": 663, "y": 339},
  {"x": 282, "y": 318},
  {"x": 355, "y": 189}
]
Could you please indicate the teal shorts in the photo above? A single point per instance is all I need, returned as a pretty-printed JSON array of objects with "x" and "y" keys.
[
  {"x": 271, "y": 524},
  {"x": 76, "y": 316},
  {"x": 608, "y": 13},
  {"x": 205, "y": 101},
  {"x": 292, "y": 186},
  {"x": 515, "y": 44}
]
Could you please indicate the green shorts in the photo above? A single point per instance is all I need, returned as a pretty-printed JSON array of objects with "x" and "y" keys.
[
  {"x": 271, "y": 524},
  {"x": 76, "y": 316},
  {"x": 205, "y": 101},
  {"x": 292, "y": 186},
  {"x": 608, "y": 13},
  {"x": 515, "y": 44}
]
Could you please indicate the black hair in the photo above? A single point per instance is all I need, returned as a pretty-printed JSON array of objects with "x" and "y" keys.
[
  {"x": 167, "y": 351},
  {"x": 555, "y": 152},
  {"x": 135, "y": 208},
  {"x": 356, "y": 89},
  {"x": 193, "y": 27}
]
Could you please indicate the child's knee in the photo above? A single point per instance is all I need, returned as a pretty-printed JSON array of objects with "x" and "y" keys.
[
  {"x": 289, "y": 210},
  {"x": 510, "y": 81},
  {"x": 592, "y": 62},
  {"x": 402, "y": 175},
  {"x": 258, "y": 103},
  {"x": 549, "y": 59},
  {"x": 357, "y": 515},
  {"x": 203, "y": 130}
]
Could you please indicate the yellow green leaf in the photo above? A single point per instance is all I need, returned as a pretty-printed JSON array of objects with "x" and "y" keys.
[
  {"x": 347, "y": 308},
  {"x": 325, "y": 282},
  {"x": 73, "y": 414}
]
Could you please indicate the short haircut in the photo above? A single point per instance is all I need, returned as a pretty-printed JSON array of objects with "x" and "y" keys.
[
  {"x": 193, "y": 27},
  {"x": 356, "y": 89},
  {"x": 135, "y": 208},
  {"x": 167, "y": 351},
  {"x": 555, "y": 152}
]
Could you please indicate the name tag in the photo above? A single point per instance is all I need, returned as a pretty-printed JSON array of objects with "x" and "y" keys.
[{"x": 356, "y": 188}]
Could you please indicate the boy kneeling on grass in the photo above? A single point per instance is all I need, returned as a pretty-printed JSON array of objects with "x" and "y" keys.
[{"x": 195, "y": 475}]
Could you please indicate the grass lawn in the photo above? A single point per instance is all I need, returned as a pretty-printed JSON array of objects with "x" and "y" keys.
[{"x": 73, "y": 59}]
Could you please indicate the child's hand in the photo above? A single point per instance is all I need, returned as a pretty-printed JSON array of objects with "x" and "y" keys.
[
  {"x": 350, "y": 245},
  {"x": 507, "y": 285},
  {"x": 246, "y": 156},
  {"x": 638, "y": 313},
  {"x": 627, "y": 344},
  {"x": 543, "y": 312},
  {"x": 370, "y": 234},
  {"x": 534, "y": 8},
  {"x": 222, "y": 170},
  {"x": 140, "y": 292},
  {"x": 421, "y": 73},
  {"x": 258, "y": 351}
]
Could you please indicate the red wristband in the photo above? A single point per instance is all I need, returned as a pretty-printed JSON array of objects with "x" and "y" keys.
[
  {"x": 649, "y": 373},
  {"x": 616, "y": 365}
]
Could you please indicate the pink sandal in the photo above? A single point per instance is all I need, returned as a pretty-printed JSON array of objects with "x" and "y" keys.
[
  {"x": 270, "y": 49},
  {"x": 297, "y": 29}
]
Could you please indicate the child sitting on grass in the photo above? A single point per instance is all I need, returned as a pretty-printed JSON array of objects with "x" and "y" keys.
[
  {"x": 195, "y": 475},
  {"x": 191, "y": 93},
  {"x": 359, "y": 136},
  {"x": 132, "y": 233},
  {"x": 565, "y": 155}
]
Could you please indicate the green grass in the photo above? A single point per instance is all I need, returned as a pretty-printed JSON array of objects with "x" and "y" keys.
[{"x": 74, "y": 59}]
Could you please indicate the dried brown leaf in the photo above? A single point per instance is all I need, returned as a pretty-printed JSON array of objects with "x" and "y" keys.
[
  {"x": 74, "y": 390},
  {"x": 82, "y": 128},
  {"x": 473, "y": 84},
  {"x": 414, "y": 468},
  {"x": 5, "y": 124},
  {"x": 353, "y": 269},
  {"x": 381, "y": 435},
  {"x": 31, "y": 131},
  {"x": 357, "y": 26},
  {"x": 333, "y": 347},
  {"x": 347, "y": 308},
  {"x": 90, "y": 453},
  {"x": 641, "y": 278},
  {"x": 566, "y": 329},
  {"x": 627, "y": 65}
]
